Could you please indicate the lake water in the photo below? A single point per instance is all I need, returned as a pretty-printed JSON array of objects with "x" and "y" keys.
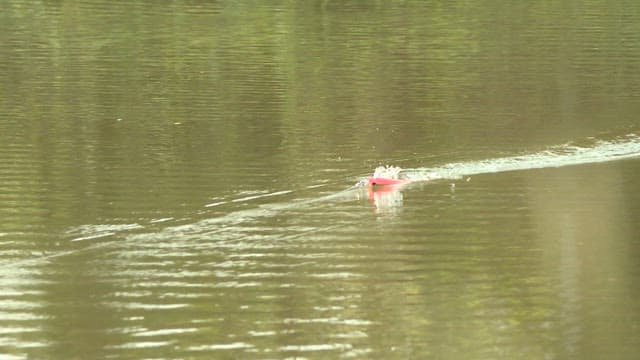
[{"x": 177, "y": 180}]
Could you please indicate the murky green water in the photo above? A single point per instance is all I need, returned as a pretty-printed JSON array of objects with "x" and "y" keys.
[{"x": 176, "y": 180}]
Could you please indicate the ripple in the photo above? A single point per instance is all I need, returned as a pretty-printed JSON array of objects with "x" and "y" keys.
[
  {"x": 230, "y": 346},
  {"x": 317, "y": 347},
  {"x": 11, "y": 357},
  {"x": 351, "y": 335},
  {"x": 332, "y": 320},
  {"x": 96, "y": 231},
  {"x": 20, "y": 316},
  {"x": 141, "y": 345},
  {"x": 165, "y": 332},
  {"x": 146, "y": 306},
  {"x": 336, "y": 275},
  {"x": 261, "y": 333}
]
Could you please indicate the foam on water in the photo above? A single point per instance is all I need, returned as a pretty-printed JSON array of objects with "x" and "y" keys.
[{"x": 597, "y": 151}]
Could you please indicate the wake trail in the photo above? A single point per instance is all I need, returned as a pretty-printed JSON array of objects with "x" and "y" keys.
[
  {"x": 587, "y": 152},
  {"x": 590, "y": 151},
  {"x": 596, "y": 151}
]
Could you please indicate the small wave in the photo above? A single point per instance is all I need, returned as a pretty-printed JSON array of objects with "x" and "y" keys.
[
  {"x": 230, "y": 346},
  {"x": 91, "y": 232},
  {"x": 316, "y": 347},
  {"x": 259, "y": 196}
]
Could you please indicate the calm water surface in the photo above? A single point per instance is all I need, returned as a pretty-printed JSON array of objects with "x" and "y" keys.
[{"x": 176, "y": 181}]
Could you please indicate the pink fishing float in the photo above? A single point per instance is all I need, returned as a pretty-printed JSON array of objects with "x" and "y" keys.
[{"x": 378, "y": 181}]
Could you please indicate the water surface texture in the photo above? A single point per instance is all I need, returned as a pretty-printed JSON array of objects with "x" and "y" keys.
[{"x": 177, "y": 180}]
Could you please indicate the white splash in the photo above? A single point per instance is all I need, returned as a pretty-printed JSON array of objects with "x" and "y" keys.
[{"x": 387, "y": 172}]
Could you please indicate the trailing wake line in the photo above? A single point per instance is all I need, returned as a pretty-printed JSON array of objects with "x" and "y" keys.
[{"x": 624, "y": 147}]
